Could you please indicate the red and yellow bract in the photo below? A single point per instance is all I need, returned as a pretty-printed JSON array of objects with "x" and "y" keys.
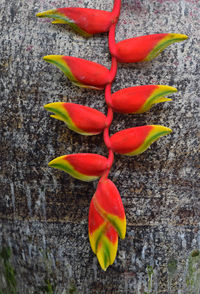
[
  {"x": 85, "y": 21},
  {"x": 81, "y": 119},
  {"x": 145, "y": 48},
  {"x": 81, "y": 72},
  {"x": 139, "y": 99},
  {"x": 136, "y": 140},
  {"x": 83, "y": 166},
  {"x": 106, "y": 221}
]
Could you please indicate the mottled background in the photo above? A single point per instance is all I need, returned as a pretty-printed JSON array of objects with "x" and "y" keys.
[{"x": 44, "y": 245}]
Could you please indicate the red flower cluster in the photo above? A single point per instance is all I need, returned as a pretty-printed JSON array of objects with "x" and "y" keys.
[{"x": 106, "y": 214}]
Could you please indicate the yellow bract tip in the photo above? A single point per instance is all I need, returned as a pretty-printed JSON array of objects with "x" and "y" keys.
[
  {"x": 55, "y": 21},
  {"x": 48, "y": 13},
  {"x": 53, "y": 105},
  {"x": 51, "y": 163},
  {"x": 162, "y": 99},
  {"x": 51, "y": 58},
  {"x": 40, "y": 14},
  {"x": 179, "y": 37},
  {"x": 168, "y": 88},
  {"x": 182, "y": 36},
  {"x": 163, "y": 129},
  {"x": 46, "y": 106},
  {"x": 59, "y": 21},
  {"x": 56, "y": 161}
]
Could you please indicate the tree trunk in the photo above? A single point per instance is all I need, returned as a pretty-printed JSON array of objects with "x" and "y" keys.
[{"x": 44, "y": 212}]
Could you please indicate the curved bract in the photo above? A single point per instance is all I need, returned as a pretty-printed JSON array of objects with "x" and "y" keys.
[
  {"x": 106, "y": 221},
  {"x": 139, "y": 99},
  {"x": 145, "y": 48},
  {"x": 136, "y": 140},
  {"x": 85, "y": 21},
  {"x": 81, "y": 72},
  {"x": 83, "y": 166},
  {"x": 80, "y": 119}
]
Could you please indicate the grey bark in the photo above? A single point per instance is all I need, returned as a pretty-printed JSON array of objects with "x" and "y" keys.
[{"x": 44, "y": 211}]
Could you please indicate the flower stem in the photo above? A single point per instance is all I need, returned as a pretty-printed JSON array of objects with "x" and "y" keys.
[{"x": 108, "y": 95}]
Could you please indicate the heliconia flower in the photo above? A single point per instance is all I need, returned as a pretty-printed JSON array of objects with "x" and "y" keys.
[
  {"x": 139, "y": 99},
  {"x": 81, "y": 72},
  {"x": 85, "y": 21},
  {"x": 83, "y": 166},
  {"x": 145, "y": 48},
  {"x": 136, "y": 140},
  {"x": 106, "y": 221},
  {"x": 81, "y": 119}
]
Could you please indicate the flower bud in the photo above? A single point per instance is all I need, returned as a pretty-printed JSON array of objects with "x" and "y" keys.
[
  {"x": 136, "y": 140},
  {"x": 80, "y": 119},
  {"x": 83, "y": 166},
  {"x": 84, "y": 21},
  {"x": 145, "y": 48},
  {"x": 81, "y": 72},
  {"x": 139, "y": 99}
]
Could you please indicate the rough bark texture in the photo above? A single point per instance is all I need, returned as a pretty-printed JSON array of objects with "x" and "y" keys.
[{"x": 44, "y": 211}]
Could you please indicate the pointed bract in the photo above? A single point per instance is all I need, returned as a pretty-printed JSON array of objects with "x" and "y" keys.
[
  {"x": 103, "y": 238},
  {"x": 83, "y": 166},
  {"x": 145, "y": 48},
  {"x": 136, "y": 140},
  {"x": 106, "y": 220},
  {"x": 139, "y": 99},
  {"x": 108, "y": 202},
  {"x": 85, "y": 21},
  {"x": 81, "y": 119},
  {"x": 81, "y": 72}
]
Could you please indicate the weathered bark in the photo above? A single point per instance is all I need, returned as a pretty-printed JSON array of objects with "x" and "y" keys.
[{"x": 43, "y": 211}]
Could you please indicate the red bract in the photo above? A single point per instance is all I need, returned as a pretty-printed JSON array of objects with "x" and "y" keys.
[
  {"x": 140, "y": 98},
  {"x": 81, "y": 119},
  {"x": 81, "y": 72},
  {"x": 85, "y": 21},
  {"x": 136, "y": 140},
  {"x": 103, "y": 237},
  {"x": 106, "y": 220},
  {"x": 145, "y": 48},
  {"x": 83, "y": 166}
]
